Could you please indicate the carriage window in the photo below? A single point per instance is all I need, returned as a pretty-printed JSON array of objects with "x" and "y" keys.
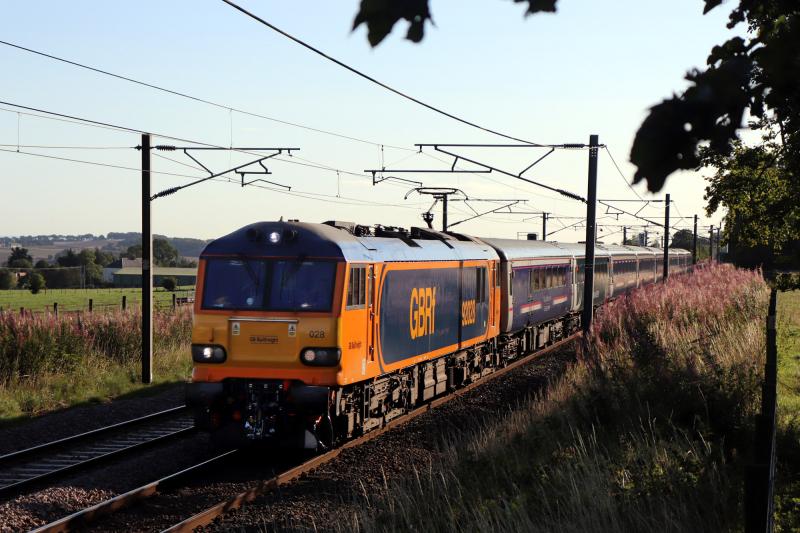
[
  {"x": 480, "y": 289},
  {"x": 357, "y": 287}
]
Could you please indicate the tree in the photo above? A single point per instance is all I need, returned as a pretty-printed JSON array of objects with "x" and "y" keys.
[
  {"x": 20, "y": 258},
  {"x": 102, "y": 257},
  {"x": 134, "y": 251},
  {"x": 7, "y": 280},
  {"x": 760, "y": 193},
  {"x": 164, "y": 254},
  {"x": 757, "y": 74},
  {"x": 186, "y": 263},
  {"x": 41, "y": 263},
  {"x": 380, "y": 16},
  {"x": 19, "y": 253},
  {"x": 20, "y": 263},
  {"x": 92, "y": 271},
  {"x": 760, "y": 190},
  {"x": 68, "y": 258},
  {"x": 35, "y": 282},
  {"x": 169, "y": 283},
  {"x": 683, "y": 238}
]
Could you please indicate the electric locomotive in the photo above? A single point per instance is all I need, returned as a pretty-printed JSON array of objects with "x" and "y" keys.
[{"x": 308, "y": 334}]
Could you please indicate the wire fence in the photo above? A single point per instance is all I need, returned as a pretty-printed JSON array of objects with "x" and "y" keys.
[
  {"x": 760, "y": 478},
  {"x": 99, "y": 300}
]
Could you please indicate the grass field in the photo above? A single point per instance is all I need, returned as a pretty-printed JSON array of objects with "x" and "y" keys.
[
  {"x": 787, "y": 492},
  {"x": 94, "y": 379},
  {"x": 78, "y": 299}
]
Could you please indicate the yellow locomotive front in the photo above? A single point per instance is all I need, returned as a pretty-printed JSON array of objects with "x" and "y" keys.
[{"x": 265, "y": 342}]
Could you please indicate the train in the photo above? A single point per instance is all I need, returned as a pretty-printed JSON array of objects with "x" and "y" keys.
[{"x": 309, "y": 334}]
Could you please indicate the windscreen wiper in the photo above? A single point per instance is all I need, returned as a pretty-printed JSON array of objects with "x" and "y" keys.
[{"x": 250, "y": 271}]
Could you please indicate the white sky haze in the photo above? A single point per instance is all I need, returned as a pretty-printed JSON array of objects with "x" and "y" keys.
[{"x": 594, "y": 67}]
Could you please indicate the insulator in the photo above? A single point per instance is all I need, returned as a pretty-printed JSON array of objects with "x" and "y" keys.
[
  {"x": 165, "y": 147},
  {"x": 165, "y": 192}
]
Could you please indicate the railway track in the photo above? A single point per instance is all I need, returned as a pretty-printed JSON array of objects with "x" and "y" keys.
[
  {"x": 86, "y": 516},
  {"x": 24, "y": 469}
]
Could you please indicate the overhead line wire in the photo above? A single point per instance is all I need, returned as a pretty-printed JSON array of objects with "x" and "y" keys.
[
  {"x": 53, "y": 147},
  {"x": 72, "y": 119},
  {"x": 370, "y": 78},
  {"x": 303, "y": 194},
  {"x": 622, "y": 175},
  {"x": 95, "y": 163},
  {"x": 107, "y": 125},
  {"x": 198, "y": 99}
]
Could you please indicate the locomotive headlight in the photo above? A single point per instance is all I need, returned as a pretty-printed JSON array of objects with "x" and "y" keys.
[
  {"x": 208, "y": 353},
  {"x": 275, "y": 237},
  {"x": 320, "y": 356}
]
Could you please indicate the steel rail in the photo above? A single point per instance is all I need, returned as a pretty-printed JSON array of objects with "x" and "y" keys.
[
  {"x": 80, "y": 519},
  {"x": 204, "y": 518},
  {"x": 72, "y": 439},
  {"x": 21, "y": 470},
  {"x": 83, "y": 517}
]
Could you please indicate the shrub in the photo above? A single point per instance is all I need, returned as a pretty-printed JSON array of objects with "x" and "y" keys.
[
  {"x": 35, "y": 282},
  {"x": 170, "y": 283},
  {"x": 7, "y": 280}
]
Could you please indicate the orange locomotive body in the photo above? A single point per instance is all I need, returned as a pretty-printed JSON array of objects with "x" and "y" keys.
[
  {"x": 306, "y": 334},
  {"x": 309, "y": 334}
]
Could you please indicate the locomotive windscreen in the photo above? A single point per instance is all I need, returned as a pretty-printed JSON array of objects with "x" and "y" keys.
[{"x": 269, "y": 285}]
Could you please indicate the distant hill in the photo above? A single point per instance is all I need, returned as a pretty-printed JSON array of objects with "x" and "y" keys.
[{"x": 47, "y": 246}]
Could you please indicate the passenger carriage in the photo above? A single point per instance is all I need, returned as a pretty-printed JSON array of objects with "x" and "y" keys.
[{"x": 308, "y": 334}]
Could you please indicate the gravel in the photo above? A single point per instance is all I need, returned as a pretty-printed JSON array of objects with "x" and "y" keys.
[
  {"x": 48, "y": 427},
  {"x": 320, "y": 498},
  {"x": 80, "y": 490}
]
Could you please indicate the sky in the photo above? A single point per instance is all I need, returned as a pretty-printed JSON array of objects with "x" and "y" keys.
[{"x": 591, "y": 68}]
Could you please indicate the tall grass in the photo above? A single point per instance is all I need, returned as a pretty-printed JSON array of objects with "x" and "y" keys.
[
  {"x": 36, "y": 343},
  {"x": 49, "y": 361},
  {"x": 647, "y": 431}
]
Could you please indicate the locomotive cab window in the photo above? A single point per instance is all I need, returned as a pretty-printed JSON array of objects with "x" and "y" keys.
[
  {"x": 357, "y": 287},
  {"x": 243, "y": 283}
]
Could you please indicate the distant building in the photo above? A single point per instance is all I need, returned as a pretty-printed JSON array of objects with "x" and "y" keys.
[
  {"x": 111, "y": 268},
  {"x": 132, "y": 276}
]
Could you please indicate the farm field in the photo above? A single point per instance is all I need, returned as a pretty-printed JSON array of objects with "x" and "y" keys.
[{"x": 78, "y": 299}]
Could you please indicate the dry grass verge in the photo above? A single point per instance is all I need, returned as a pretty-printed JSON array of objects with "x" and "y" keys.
[
  {"x": 649, "y": 431},
  {"x": 49, "y": 362}
]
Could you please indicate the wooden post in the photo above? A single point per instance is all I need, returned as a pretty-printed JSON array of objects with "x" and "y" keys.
[
  {"x": 55, "y": 309},
  {"x": 666, "y": 239},
  {"x": 174, "y": 301},
  {"x": 91, "y": 304},
  {"x": 124, "y": 302}
]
